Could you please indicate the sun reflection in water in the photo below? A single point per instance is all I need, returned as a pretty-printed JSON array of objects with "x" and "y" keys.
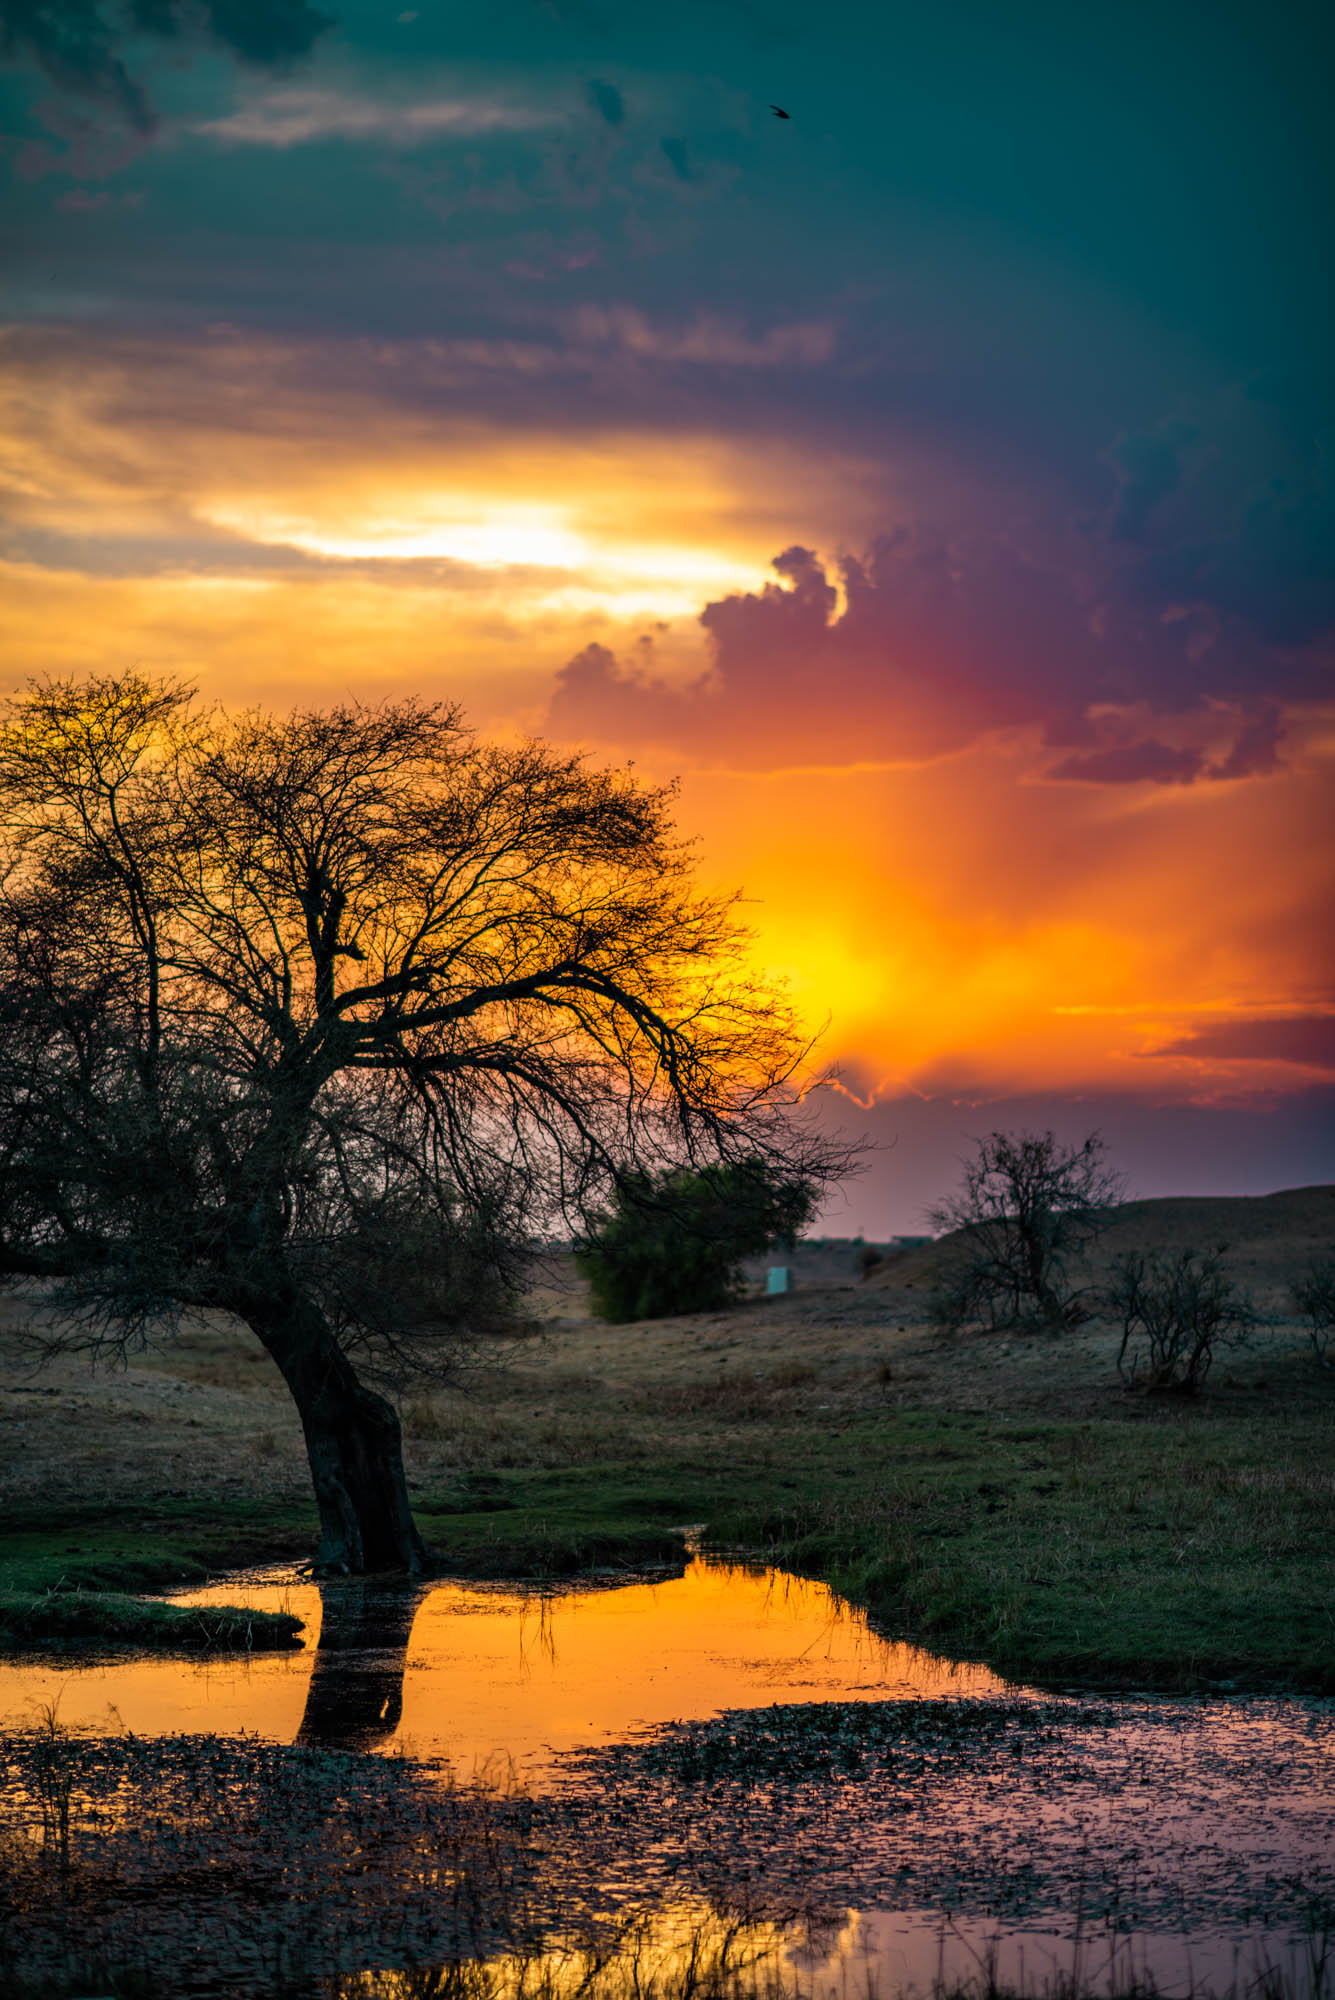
[{"x": 473, "y": 1673}]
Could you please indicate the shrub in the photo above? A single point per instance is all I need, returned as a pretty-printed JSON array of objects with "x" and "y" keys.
[
  {"x": 1313, "y": 1298},
  {"x": 674, "y": 1242},
  {"x": 1173, "y": 1309},
  {"x": 1025, "y": 1205},
  {"x": 968, "y": 1294}
]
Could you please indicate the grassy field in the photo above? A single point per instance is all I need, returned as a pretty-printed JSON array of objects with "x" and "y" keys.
[{"x": 1004, "y": 1499}]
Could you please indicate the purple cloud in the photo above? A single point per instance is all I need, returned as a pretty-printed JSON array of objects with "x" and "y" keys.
[
  {"x": 930, "y": 649},
  {"x": 1132, "y": 764},
  {"x": 1306, "y": 1039},
  {"x": 936, "y": 643},
  {"x": 1255, "y": 753}
]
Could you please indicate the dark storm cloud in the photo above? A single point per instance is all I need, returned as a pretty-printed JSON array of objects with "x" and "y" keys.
[
  {"x": 1237, "y": 510},
  {"x": 76, "y": 47},
  {"x": 1276, "y": 569},
  {"x": 258, "y": 31},
  {"x": 1308, "y": 1040},
  {"x": 78, "y": 44},
  {"x": 937, "y": 642},
  {"x": 607, "y": 101},
  {"x": 1279, "y": 571}
]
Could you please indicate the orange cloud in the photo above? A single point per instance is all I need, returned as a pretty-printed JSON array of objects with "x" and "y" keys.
[
  {"x": 968, "y": 907},
  {"x": 243, "y": 454}
]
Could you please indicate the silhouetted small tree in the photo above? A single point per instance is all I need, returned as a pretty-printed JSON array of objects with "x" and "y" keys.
[
  {"x": 1025, "y": 1206},
  {"x": 1175, "y": 1307},
  {"x": 313, "y": 1018},
  {"x": 674, "y": 1242},
  {"x": 1313, "y": 1297}
]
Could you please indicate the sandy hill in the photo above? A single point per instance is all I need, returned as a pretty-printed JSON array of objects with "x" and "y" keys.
[{"x": 1264, "y": 1239}]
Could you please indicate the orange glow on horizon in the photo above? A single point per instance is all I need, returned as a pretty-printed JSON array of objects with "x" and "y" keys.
[{"x": 965, "y": 932}]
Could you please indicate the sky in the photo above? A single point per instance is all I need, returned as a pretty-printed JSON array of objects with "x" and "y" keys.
[{"x": 936, "y": 482}]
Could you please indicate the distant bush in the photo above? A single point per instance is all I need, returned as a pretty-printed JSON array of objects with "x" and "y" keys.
[
  {"x": 1174, "y": 1309},
  {"x": 1313, "y": 1298},
  {"x": 1026, "y": 1203},
  {"x": 675, "y": 1242},
  {"x": 967, "y": 1294}
]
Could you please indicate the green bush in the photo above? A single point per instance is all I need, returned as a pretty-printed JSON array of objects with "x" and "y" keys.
[{"x": 675, "y": 1241}]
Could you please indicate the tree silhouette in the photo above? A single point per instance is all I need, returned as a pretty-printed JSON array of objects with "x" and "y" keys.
[
  {"x": 1025, "y": 1206},
  {"x": 309, "y": 1018}
]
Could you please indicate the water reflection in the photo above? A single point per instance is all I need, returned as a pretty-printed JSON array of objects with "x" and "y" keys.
[
  {"x": 354, "y": 1700},
  {"x": 227, "y": 1865},
  {"x": 797, "y": 1852},
  {"x": 680, "y": 1951},
  {"x": 480, "y": 1675},
  {"x": 690, "y": 1952}
]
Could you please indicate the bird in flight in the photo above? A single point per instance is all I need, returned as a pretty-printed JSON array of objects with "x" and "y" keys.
[{"x": 779, "y": 112}]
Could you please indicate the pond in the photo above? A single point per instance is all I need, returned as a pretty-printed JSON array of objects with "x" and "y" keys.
[
  {"x": 476, "y": 1674},
  {"x": 727, "y": 1768}
]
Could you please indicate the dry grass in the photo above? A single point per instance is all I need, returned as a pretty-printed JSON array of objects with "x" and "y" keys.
[{"x": 581, "y": 1390}]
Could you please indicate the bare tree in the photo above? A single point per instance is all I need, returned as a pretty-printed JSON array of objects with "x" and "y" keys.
[
  {"x": 308, "y": 1018},
  {"x": 1025, "y": 1206},
  {"x": 1312, "y": 1295},
  {"x": 1174, "y": 1309}
]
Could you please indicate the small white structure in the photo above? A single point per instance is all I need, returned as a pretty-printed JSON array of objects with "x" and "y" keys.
[{"x": 778, "y": 1279}]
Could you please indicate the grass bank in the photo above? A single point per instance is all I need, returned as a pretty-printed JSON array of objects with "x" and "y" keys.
[
  {"x": 1171, "y": 1555},
  {"x": 1000, "y": 1500},
  {"x": 1182, "y": 1550},
  {"x": 61, "y": 1620},
  {"x": 73, "y": 1578},
  {"x": 70, "y": 1577},
  {"x": 1188, "y": 1548}
]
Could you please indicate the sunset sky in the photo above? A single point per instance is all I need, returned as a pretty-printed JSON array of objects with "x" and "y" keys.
[{"x": 937, "y": 481}]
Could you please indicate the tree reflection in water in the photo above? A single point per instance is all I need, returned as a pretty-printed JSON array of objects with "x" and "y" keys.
[
  {"x": 683, "y": 1950},
  {"x": 355, "y": 1698}
]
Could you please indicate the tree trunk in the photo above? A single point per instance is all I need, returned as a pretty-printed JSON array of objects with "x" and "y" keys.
[{"x": 354, "y": 1444}]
